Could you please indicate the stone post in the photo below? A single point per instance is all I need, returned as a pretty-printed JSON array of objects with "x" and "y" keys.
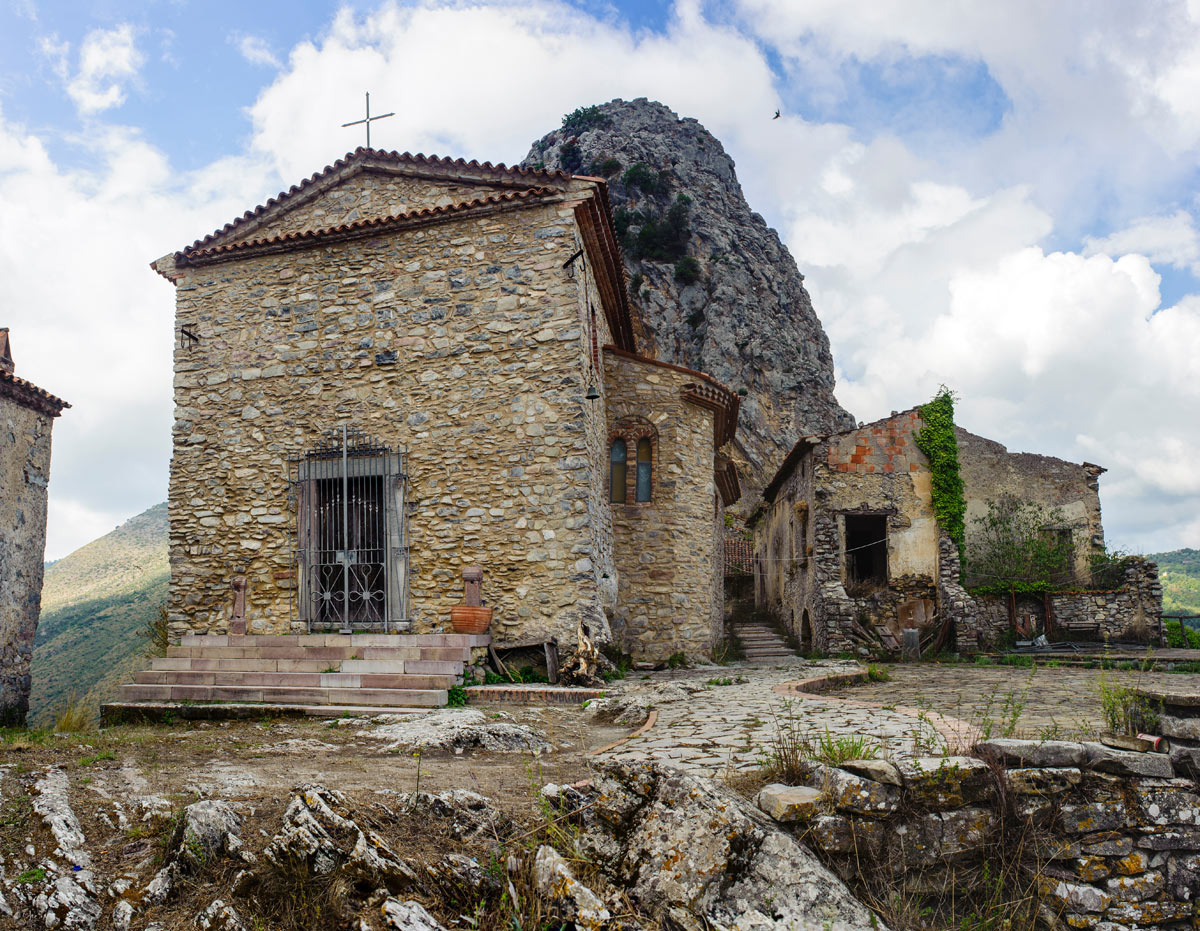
[
  {"x": 472, "y": 586},
  {"x": 237, "y": 623}
]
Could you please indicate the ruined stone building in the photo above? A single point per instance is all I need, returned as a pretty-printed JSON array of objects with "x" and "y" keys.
[
  {"x": 26, "y": 417},
  {"x": 848, "y": 551},
  {"x": 404, "y": 366}
]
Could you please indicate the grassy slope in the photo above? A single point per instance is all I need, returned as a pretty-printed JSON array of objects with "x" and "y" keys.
[
  {"x": 1179, "y": 572},
  {"x": 94, "y": 602}
]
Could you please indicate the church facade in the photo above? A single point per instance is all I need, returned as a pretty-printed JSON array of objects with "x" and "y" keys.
[{"x": 405, "y": 366}]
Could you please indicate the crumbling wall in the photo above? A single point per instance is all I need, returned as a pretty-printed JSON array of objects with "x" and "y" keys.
[
  {"x": 1107, "y": 837},
  {"x": 24, "y": 476}
]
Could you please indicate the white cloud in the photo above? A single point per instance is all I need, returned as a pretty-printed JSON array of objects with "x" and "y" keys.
[
  {"x": 255, "y": 50},
  {"x": 108, "y": 62},
  {"x": 1171, "y": 240}
]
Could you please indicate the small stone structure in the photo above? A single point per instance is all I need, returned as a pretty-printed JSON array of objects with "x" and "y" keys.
[
  {"x": 849, "y": 553},
  {"x": 26, "y": 417},
  {"x": 469, "y": 324},
  {"x": 1110, "y": 838}
]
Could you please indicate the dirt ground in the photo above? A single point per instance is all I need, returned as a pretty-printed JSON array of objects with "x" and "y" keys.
[
  {"x": 1047, "y": 702},
  {"x": 128, "y": 782}
]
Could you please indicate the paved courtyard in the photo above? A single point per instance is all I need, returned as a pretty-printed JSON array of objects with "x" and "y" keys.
[{"x": 724, "y": 720}]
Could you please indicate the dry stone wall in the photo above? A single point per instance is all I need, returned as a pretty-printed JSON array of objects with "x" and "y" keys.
[
  {"x": 667, "y": 553},
  {"x": 24, "y": 476},
  {"x": 1110, "y": 839},
  {"x": 464, "y": 342}
]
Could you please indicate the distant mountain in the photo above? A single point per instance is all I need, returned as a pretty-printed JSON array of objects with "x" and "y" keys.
[
  {"x": 94, "y": 603},
  {"x": 1179, "y": 572}
]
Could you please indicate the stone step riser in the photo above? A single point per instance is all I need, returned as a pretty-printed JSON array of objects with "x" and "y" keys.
[
  {"x": 293, "y": 680},
  {"x": 330, "y": 654},
  {"x": 460, "y": 641},
  {"x": 410, "y": 667},
  {"x": 279, "y": 695}
]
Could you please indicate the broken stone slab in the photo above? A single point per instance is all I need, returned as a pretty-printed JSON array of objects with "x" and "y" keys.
[
  {"x": 207, "y": 831},
  {"x": 848, "y": 792},
  {"x": 1136, "y": 888},
  {"x": 574, "y": 901},
  {"x": 1179, "y": 727},
  {"x": 450, "y": 729},
  {"x": 220, "y": 916},
  {"x": 1149, "y": 914},
  {"x": 1183, "y": 877},
  {"x": 842, "y": 834},
  {"x": 408, "y": 916},
  {"x": 67, "y": 905},
  {"x": 1040, "y": 781},
  {"x": 879, "y": 770},
  {"x": 1177, "y": 698},
  {"x": 53, "y": 806},
  {"x": 1033, "y": 752},
  {"x": 1127, "y": 763},
  {"x": 1076, "y": 896},
  {"x": 786, "y": 804},
  {"x": 947, "y": 782},
  {"x": 1185, "y": 839},
  {"x": 469, "y": 813},
  {"x": 686, "y": 848},
  {"x": 934, "y": 836},
  {"x": 1185, "y": 760}
]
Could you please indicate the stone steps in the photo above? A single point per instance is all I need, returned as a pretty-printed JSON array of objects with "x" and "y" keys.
[
  {"x": 760, "y": 642},
  {"x": 391, "y": 671}
]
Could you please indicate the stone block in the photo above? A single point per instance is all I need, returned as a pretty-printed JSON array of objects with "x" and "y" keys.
[
  {"x": 1126, "y": 762},
  {"x": 1091, "y": 816},
  {"x": 1183, "y": 877},
  {"x": 1075, "y": 896},
  {"x": 1178, "y": 726},
  {"x": 1107, "y": 844},
  {"x": 1091, "y": 869},
  {"x": 947, "y": 782},
  {"x": 841, "y": 834},
  {"x": 1145, "y": 914},
  {"x": 847, "y": 792},
  {"x": 1135, "y": 888},
  {"x": 786, "y": 804},
  {"x": 1041, "y": 781},
  {"x": 1014, "y": 752},
  {"x": 1133, "y": 863},
  {"x": 1163, "y": 805},
  {"x": 879, "y": 770},
  {"x": 1185, "y": 839}
]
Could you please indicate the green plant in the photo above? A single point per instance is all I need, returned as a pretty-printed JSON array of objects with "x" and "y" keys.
[
  {"x": 836, "y": 749},
  {"x": 570, "y": 158},
  {"x": 687, "y": 271},
  {"x": 35, "y": 875},
  {"x": 74, "y": 716},
  {"x": 677, "y": 661},
  {"x": 1181, "y": 637},
  {"x": 106, "y": 754},
  {"x": 877, "y": 673},
  {"x": 937, "y": 441},
  {"x": 156, "y": 632},
  {"x": 641, "y": 176},
  {"x": 1124, "y": 708},
  {"x": 584, "y": 118},
  {"x": 635, "y": 284},
  {"x": 1019, "y": 547},
  {"x": 456, "y": 696},
  {"x": 605, "y": 168}
]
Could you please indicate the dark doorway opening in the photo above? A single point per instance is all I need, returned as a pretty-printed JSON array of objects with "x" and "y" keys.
[{"x": 866, "y": 548}]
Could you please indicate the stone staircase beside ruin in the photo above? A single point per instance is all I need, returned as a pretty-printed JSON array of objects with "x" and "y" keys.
[
  {"x": 320, "y": 673},
  {"x": 761, "y": 642}
]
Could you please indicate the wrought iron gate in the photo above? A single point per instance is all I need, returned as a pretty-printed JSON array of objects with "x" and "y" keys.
[{"x": 350, "y": 498}]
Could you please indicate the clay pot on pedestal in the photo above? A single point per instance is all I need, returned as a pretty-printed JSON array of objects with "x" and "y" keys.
[{"x": 469, "y": 619}]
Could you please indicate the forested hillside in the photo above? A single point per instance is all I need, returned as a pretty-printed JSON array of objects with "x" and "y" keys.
[
  {"x": 1179, "y": 572},
  {"x": 94, "y": 603}
]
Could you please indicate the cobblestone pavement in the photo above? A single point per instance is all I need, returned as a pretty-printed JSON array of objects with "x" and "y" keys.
[
  {"x": 1060, "y": 701},
  {"x": 705, "y": 724}
]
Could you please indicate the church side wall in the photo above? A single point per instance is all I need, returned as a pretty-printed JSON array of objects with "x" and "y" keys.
[
  {"x": 663, "y": 548},
  {"x": 24, "y": 476},
  {"x": 460, "y": 341}
]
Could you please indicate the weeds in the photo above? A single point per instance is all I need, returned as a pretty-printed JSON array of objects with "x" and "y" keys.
[
  {"x": 97, "y": 757},
  {"x": 456, "y": 696},
  {"x": 74, "y": 716},
  {"x": 876, "y": 673}
]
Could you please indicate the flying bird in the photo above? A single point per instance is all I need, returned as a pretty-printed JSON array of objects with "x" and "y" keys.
[{"x": 776, "y": 116}]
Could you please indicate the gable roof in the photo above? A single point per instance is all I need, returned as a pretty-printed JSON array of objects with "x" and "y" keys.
[
  {"x": 27, "y": 394},
  {"x": 526, "y": 187},
  {"x": 363, "y": 159}
]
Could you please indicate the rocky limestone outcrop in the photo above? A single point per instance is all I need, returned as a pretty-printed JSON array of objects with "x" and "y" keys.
[{"x": 739, "y": 311}]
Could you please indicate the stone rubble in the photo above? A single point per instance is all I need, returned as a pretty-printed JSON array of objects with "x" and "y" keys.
[{"x": 451, "y": 729}]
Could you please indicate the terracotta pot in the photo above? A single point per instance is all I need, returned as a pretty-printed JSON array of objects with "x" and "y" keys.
[{"x": 467, "y": 619}]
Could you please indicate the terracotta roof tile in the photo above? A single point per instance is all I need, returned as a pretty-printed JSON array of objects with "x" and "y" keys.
[
  {"x": 29, "y": 394},
  {"x": 192, "y": 252},
  {"x": 397, "y": 158}
]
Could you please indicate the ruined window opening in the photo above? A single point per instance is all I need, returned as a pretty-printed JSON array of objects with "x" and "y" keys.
[
  {"x": 644, "y": 453},
  {"x": 618, "y": 455},
  {"x": 349, "y": 496},
  {"x": 866, "y": 548}
]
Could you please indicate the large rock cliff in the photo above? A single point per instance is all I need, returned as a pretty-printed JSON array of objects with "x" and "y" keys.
[{"x": 713, "y": 288}]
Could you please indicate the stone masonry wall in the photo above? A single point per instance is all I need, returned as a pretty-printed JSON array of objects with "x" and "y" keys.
[
  {"x": 666, "y": 549},
  {"x": 24, "y": 476},
  {"x": 463, "y": 342},
  {"x": 989, "y": 471},
  {"x": 1109, "y": 838}
]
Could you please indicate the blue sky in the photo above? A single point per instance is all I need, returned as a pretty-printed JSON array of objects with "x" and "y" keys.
[{"x": 998, "y": 197}]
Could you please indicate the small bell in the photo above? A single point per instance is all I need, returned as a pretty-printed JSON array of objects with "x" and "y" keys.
[{"x": 592, "y": 392}]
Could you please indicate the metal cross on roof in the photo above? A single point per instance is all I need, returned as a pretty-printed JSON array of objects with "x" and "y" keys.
[{"x": 369, "y": 119}]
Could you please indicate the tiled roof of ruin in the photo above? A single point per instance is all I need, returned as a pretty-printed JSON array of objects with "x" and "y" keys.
[
  {"x": 361, "y": 156},
  {"x": 27, "y": 394}
]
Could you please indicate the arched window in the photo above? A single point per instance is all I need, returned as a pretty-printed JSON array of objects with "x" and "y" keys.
[
  {"x": 617, "y": 465},
  {"x": 643, "y": 469}
]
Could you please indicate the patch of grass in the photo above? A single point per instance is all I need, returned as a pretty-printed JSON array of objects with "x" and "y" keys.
[
  {"x": 74, "y": 716},
  {"x": 97, "y": 757},
  {"x": 677, "y": 661},
  {"x": 876, "y": 673},
  {"x": 35, "y": 875}
]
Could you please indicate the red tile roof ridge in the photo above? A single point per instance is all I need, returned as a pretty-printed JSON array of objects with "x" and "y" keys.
[
  {"x": 366, "y": 223},
  {"x": 27, "y": 390},
  {"x": 361, "y": 154}
]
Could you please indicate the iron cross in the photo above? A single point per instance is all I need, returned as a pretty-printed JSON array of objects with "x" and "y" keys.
[{"x": 369, "y": 119}]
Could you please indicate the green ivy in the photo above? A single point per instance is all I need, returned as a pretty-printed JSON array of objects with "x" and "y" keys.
[{"x": 936, "y": 440}]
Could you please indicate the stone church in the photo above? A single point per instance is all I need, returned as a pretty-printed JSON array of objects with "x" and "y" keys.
[
  {"x": 26, "y": 418},
  {"x": 408, "y": 365}
]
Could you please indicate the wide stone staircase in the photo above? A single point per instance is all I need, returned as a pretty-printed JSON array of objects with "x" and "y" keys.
[{"x": 323, "y": 672}]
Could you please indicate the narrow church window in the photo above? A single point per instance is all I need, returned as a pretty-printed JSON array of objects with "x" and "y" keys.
[
  {"x": 866, "y": 548},
  {"x": 643, "y": 469},
  {"x": 617, "y": 465}
]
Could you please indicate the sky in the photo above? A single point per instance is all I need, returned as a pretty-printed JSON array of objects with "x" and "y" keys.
[{"x": 997, "y": 197}]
